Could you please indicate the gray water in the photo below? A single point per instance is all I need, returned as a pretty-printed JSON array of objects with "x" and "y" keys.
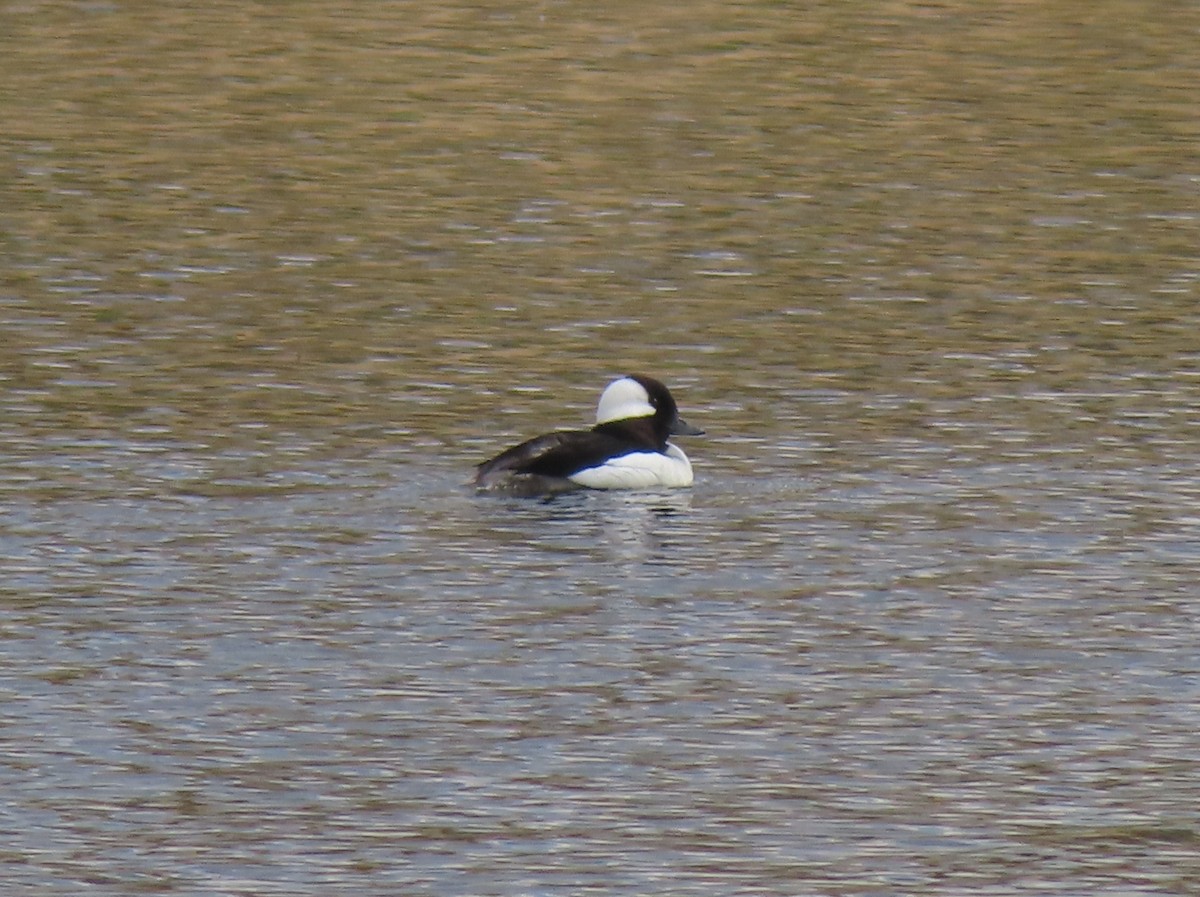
[{"x": 275, "y": 280}]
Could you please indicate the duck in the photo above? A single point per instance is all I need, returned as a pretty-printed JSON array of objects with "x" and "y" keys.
[{"x": 626, "y": 449}]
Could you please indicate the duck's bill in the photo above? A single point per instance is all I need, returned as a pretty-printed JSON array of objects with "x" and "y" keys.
[{"x": 682, "y": 428}]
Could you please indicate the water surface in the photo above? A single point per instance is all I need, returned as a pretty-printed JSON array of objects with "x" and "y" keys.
[{"x": 275, "y": 279}]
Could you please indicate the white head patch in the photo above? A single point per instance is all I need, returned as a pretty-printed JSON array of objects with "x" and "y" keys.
[{"x": 623, "y": 399}]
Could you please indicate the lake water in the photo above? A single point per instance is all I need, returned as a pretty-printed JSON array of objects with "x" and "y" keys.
[{"x": 276, "y": 278}]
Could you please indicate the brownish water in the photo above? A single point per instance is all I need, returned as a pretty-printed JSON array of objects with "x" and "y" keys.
[{"x": 276, "y": 276}]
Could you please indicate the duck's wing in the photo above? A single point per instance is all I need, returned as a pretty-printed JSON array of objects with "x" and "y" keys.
[{"x": 553, "y": 455}]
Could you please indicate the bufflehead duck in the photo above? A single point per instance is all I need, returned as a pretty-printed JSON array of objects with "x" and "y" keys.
[{"x": 627, "y": 449}]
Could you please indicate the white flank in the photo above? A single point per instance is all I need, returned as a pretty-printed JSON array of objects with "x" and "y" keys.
[{"x": 638, "y": 470}]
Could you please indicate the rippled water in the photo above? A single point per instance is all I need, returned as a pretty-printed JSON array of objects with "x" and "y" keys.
[{"x": 276, "y": 279}]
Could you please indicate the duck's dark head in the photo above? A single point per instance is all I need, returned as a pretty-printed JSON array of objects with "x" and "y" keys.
[{"x": 636, "y": 396}]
